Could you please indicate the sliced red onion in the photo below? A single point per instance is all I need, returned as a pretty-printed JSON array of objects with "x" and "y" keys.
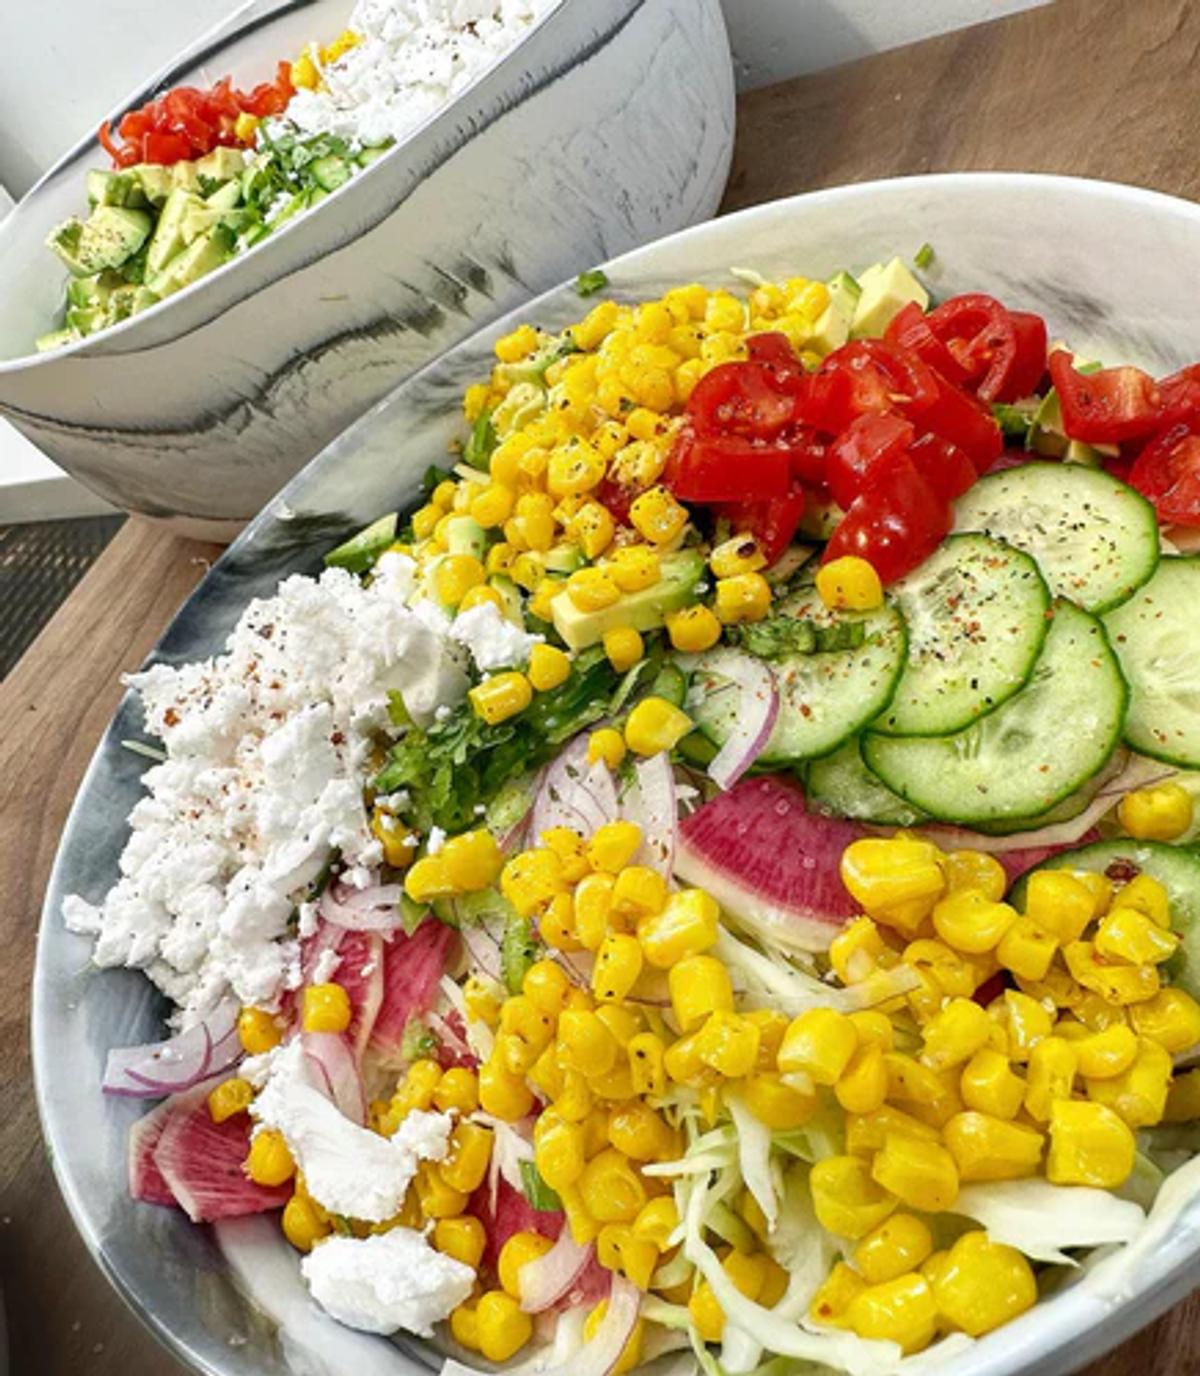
[
  {"x": 1139, "y": 772},
  {"x": 335, "y": 1073},
  {"x": 549, "y": 1278},
  {"x": 651, "y": 802},
  {"x": 375, "y": 909},
  {"x": 757, "y": 709},
  {"x": 598, "y": 1356},
  {"x": 169, "y": 1067},
  {"x": 482, "y": 941},
  {"x": 574, "y": 793}
]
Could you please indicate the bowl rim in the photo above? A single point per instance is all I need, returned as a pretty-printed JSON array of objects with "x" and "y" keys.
[
  {"x": 1076, "y": 1339},
  {"x": 210, "y": 44}
]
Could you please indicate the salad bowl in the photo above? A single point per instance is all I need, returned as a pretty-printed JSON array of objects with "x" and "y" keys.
[
  {"x": 1103, "y": 269},
  {"x": 199, "y": 409}
]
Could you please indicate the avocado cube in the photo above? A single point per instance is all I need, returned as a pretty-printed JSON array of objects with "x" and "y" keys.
[
  {"x": 886, "y": 289},
  {"x": 644, "y": 610},
  {"x": 221, "y": 165},
  {"x": 155, "y": 182}
]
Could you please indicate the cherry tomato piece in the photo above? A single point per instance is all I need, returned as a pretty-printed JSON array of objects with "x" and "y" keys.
[
  {"x": 726, "y": 468},
  {"x": 895, "y": 524},
  {"x": 1167, "y": 471},
  {"x": 1108, "y": 406},
  {"x": 740, "y": 399},
  {"x": 910, "y": 328},
  {"x": 965, "y": 421},
  {"x": 772, "y": 523},
  {"x": 944, "y": 466},
  {"x": 862, "y": 451}
]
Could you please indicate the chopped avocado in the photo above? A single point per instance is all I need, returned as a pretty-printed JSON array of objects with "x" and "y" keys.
[
  {"x": 464, "y": 535},
  {"x": 564, "y": 559},
  {"x": 109, "y": 236},
  {"x": 54, "y": 339},
  {"x": 331, "y": 172},
  {"x": 643, "y": 610},
  {"x": 185, "y": 177},
  {"x": 199, "y": 219},
  {"x": 91, "y": 291},
  {"x": 129, "y": 300},
  {"x": 1078, "y": 452},
  {"x": 221, "y": 165},
  {"x": 886, "y": 289},
  {"x": 360, "y": 551},
  {"x": 510, "y": 597},
  {"x": 87, "y": 319},
  {"x": 169, "y": 237},
  {"x": 156, "y": 182},
  {"x": 832, "y": 328},
  {"x": 821, "y": 518},
  {"x": 366, "y": 156},
  {"x": 113, "y": 188},
  {"x": 201, "y": 257},
  {"x": 225, "y": 197}
]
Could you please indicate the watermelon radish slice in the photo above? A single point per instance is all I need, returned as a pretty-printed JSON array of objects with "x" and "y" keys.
[
  {"x": 359, "y": 971},
  {"x": 334, "y": 1071},
  {"x": 412, "y": 966},
  {"x": 512, "y": 1213},
  {"x": 770, "y": 862},
  {"x": 201, "y": 1161},
  {"x": 146, "y": 1181}
]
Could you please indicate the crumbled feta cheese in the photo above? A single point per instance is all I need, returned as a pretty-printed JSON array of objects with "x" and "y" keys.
[
  {"x": 391, "y": 1281},
  {"x": 435, "y": 841},
  {"x": 268, "y": 747},
  {"x": 493, "y": 640},
  {"x": 347, "y": 1169},
  {"x": 326, "y": 966},
  {"x": 414, "y": 57}
]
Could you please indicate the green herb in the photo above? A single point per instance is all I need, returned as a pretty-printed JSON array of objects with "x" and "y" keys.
[
  {"x": 462, "y": 762},
  {"x": 518, "y": 951},
  {"x": 1016, "y": 419},
  {"x": 432, "y": 476},
  {"x": 923, "y": 256},
  {"x": 589, "y": 283},
  {"x": 482, "y": 440},
  {"x": 411, "y": 914},
  {"x": 781, "y": 636},
  {"x": 397, "y": 712},
  {"x": 418, "y": 1042},
  {"x": 541, "y": 1197}
]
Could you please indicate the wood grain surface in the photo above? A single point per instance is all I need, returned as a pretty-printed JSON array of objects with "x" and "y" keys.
[{"x": 1092, "y": 87}]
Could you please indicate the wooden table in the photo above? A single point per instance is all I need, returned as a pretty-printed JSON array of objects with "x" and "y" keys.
[{"x": 1104, "y": 88}]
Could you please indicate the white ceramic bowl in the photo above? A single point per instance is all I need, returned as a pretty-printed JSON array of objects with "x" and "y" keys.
[
  {"x": 610, "y": 124},
  {"x": 1103, "y": 263}
]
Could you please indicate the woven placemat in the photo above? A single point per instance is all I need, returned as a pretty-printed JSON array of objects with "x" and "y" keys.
[{"x": 39, "y": 565}]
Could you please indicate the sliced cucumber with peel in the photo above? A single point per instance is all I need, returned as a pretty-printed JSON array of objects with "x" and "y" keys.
[
  {"x": 1177, "y": 869},
  {"x": 824, "y": 697},
  {"x": 1095, "y": 539},
  {"x": 1029, "y": 754},
  {"x": 842, "y": 786},
  {"x": 977, "y": 616},
  {"x": 1154, "y": 635}
]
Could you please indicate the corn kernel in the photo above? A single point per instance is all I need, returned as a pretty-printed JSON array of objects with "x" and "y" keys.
[
  {"x": 848, "y": 1201},
  {"x": 955, "y": 1034},
  {"x": 982, "y": 1284},
  {"x": 1053, "y": 1065},
  {"x": 776, "y": 1104},
  {"x": 987, "y": 1148},
  {"x": 974, "y": 869},
  {"x": 472, "y": 860},
  {"x": 867, "y": 1132},
  {"x": 470, "y": 1153},
  {"x": 559, "y": 1150},
  {"x": 549, "y": 667},
  {"x": 657, "y": 516},
  {"x": 1026, "y": 949},
  {"x": 728, "y": 1044},
  {"x": 462, "y": 1238},
  {"x": 1027, "y": 1021},
  {"x": 874, "y": 1028},
  {"x": 618, "y": 964},
  {"x": 744, "y": 597},
  {"x": 863, "y": 1085},
  {"x": 502, "y": 1328},
  {"x": 574, "y": 468},
  {"x": 1138, "y": 1094},
  {"x": 693, "y": 629},
  {"x": 531, "y": 879},
  {"x": 585, "y": 1042},
  {"x": 989, "y": 1086},
  {"x": 737, "y": 555},
  {"x": 1171, "y": 1018},
  {"x": 624, "y": 647},
  {"x": 303, "y": 1224},
  {"x": 501, "y": 696},
  {"x": 922, "y": 1175},
  {"x": 819, "y": 1043},
  {"x": 857, "y": 950},
  {"x": 849, "y": 584},
  {"x": 1162, "y": 813},
  {"x": 326, "y": 1008},
  {"x": 614, "y": 845},
  {"x": 641, "y": 1134},
  {"x": 229, "y": 1098},
  {"x": 898, "y": 1245},
  {"x": 687, "y": 925},
  {"x": 457, "y": 1089},
  {"x": 654, "y": 725},
  {"x": 500, "y": 558},
  {"x": 606, "y": 746},
  {"x": 1128, "y": 935},
  {"x": 634, "y": 567},
  {"x": 593, "y": 902},
  {"x": 931, "y": 1095},
  {"x": 502, "y": 1094},
  {"x": 612, "y": 1190},
  {"x": 1112, "y": 1050},
  {"x": 269, "y": 1162},
  {"x": 639, "y": 892},
  {"x": 901, "y": 1310},
  {"x": 1119, "y": 984},
  {"x": 1089, "y": 1145},
  {"x": 699, "y": 985},
  {"x": 258, "y": 1031},
  {"x": 1148, "y": 896},
  {"x": 835, "y": 1294},
  {"x": 896, "y": 880},
  {"x": 969, "y": 922},
  {"x": 1059, "y": 903}
]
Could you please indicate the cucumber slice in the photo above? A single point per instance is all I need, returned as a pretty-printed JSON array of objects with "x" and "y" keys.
[
  {"x": 842, "y": 786},
  {"x": 976, "y": 613},
  {"x": 1023, "y": 758},
  {"x": 1154, "y": 637},
  {"x": 1095, "y": 539},
  {"x": 1070, "y": 807},
  {"x": 1177, "y": 869},
  {"x": 824, "y": 697}
]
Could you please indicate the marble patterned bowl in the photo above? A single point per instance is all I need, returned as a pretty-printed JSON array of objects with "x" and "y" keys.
[
  {"x": 609, "y": 125},
  {"x": 1103, "y": 263}
]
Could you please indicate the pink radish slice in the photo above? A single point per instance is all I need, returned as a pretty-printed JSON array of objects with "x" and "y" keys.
[
  {"x": 202, "y": 1162},
  {"x": 411, "y": 967},
  {"x": 360, "y": 973},
  {"x": 169, "y": 1067},
  {"x": 651, "y": 802},
  {"x": 513, "y": 1213},
  {"x": 770, "y": 862},
  {"x": 335, "y": 1072},
  {"x": 146, "y": 1181}
]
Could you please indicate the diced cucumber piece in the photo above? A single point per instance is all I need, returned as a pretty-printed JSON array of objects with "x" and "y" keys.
[
  {"x": 54, "y": 339},
  {"x": 1154, "y": 635},
  {"x": 976, "y": 612},
  {"x": 331, "y": 172},
  {"x": 464, "y": 535},
  {"x": 1023, "y": 758},
  {"x": 1177, "y": 869},
  {"x": 843, "y": 786},
  {"x": 824, "y": 697},
  {"x": 360, "y": 551},
  {"x": 1095, "y": 539}
]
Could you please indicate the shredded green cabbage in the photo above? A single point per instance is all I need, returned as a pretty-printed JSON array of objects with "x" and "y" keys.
[{"x": 1042, "y": 1220}]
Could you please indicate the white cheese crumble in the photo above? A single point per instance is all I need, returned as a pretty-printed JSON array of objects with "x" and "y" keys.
[
  {"x": 392, "y": 1281},
  {"x": 494, "y": 642},
  {"x": 267, "y": 750},
  {"x": 414, "y": 58},
  {"x": 347, "y": 1169}
]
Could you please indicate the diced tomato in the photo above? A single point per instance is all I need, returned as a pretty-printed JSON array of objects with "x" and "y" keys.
[
  {"x": 910, "y": 328},
  {"x": 895, "y": 524},
  {"x": 1108, "y": 406},
  {"x": 965, "y": 421},
  {"x": 944, "y": 466},
  {"x": 1167, "y": 471},
  {"x": 166, "y": 148},
  {"x": 866, "y": 375},
  {"x": 772, "y": 523},
  {"x": 1181, "y": 394},
  {"x": 1029, "y": 366},
  {"x": 1001, "y": 353},
  {"x": 727, "y": 468},
  {"x": 862, "y": 452},
  {"x": 740, "y": 399}
]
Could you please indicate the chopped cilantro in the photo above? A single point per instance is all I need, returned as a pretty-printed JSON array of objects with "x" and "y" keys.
[
  {"x": 924, "y": 256},
  {"x": 1016, "y": 419},
  {"x": 518, "y": 951},
  {"x": 780, "y": 636},
  {"x": 482, "y": 440},
  {"x": 589, "y": 283},
  {"x": 541, "y": 1197}
]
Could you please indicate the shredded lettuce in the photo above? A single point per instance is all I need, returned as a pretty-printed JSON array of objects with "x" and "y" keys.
[
  {"x": 754, "y": 1157},
  {"x": 1042, "y": 1220}
]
